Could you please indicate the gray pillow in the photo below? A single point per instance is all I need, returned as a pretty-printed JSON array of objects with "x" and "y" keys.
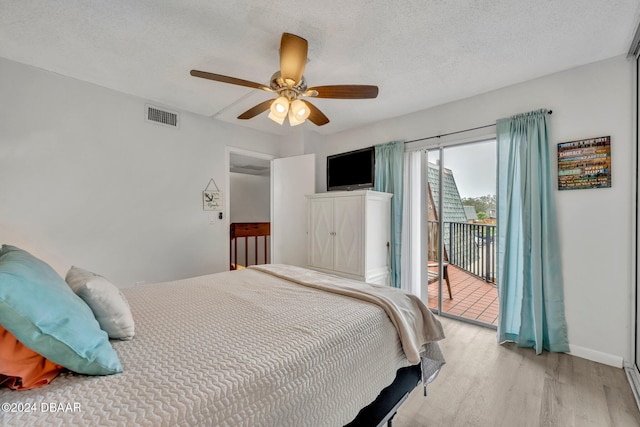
[{"x": 110, "y": 307}]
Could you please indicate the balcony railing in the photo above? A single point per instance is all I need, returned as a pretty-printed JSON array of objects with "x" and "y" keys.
[{"x": 471, "y": 247}]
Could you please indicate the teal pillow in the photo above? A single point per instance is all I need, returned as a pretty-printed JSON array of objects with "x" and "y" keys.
[{"x": 43, "y": 312}]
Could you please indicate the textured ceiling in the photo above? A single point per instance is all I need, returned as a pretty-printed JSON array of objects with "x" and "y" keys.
[{"x": 420, "y": 53}]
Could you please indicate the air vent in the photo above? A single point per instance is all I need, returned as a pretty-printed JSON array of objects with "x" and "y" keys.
[{"x": 163, "y": 117}]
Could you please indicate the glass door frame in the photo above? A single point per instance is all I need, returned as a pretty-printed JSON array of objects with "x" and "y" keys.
[{"x": 440, "y": 224}]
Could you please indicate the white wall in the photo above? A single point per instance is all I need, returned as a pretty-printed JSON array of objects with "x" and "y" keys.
[
  {"x": 250, "y": 198},
  {"x": 84, "y": 180},
  {"x": 595, "y": 225}
]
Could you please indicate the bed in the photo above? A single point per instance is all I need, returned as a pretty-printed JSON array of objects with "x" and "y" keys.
[{"x": 263, "y": 346}]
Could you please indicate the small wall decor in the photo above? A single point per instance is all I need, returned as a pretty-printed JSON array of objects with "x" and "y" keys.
[
  {"x": 212, "y": 199},
  {"x": 584, "y": 164}
]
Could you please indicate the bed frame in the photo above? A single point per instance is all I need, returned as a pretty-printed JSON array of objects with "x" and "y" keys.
[
  {"x": 384, "y": 408},
  {"x": 252, "y": 233}
]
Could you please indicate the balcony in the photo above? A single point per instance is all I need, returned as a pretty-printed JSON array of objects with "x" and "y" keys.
[
  {"x": 473, "y": 298},
  {"x": 470, "y": 250}
]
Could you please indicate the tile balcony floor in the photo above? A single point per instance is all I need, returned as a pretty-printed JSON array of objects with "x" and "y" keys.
[{"x": 473, "y": 298}]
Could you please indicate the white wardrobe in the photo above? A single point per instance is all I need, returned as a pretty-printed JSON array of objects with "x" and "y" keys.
[{"x": 349, "y": 234}]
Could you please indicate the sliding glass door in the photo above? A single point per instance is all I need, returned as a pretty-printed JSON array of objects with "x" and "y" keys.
[{"x": 461, "y": 215}]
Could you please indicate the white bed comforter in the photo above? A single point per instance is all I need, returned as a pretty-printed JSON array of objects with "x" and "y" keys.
[
  {"x": 242, "y": 348},
  {"x": 415, "y": 324}
]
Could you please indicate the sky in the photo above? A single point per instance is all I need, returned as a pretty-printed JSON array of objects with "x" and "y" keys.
[{"x": 473, "y": 166}]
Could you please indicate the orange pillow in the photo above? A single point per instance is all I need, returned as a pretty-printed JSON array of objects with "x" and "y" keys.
[{"x": 22, "y": 368}]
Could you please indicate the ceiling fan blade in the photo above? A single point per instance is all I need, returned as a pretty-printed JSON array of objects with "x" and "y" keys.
[
  {"x": 343, "y": 92},
  {"x": 316, "y": 116},
  {"x": 254, "y": 111},
  {"x": 230, "y": 80},
  {"x": 293, "y": 58}
]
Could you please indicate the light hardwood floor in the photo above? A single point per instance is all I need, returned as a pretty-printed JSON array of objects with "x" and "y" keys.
[{"x": 486, "y": 384}]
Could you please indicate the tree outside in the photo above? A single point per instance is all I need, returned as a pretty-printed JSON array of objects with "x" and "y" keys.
[{"x": 485, "y": 206}]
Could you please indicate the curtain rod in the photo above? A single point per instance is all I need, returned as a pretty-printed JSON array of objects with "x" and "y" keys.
[{"x": 454, "y": 133}]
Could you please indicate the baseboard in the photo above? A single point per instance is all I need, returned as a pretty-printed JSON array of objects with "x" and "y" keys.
[{"x": 596, "y": 356}]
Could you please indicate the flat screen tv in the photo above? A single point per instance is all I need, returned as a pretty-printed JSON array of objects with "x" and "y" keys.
[{"x": 353, "y": 170}]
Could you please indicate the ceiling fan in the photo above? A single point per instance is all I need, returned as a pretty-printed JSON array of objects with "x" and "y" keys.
[{"x": 290, "y": 86}]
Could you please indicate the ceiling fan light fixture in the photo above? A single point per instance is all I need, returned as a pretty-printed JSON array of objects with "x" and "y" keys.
[
  {"x": 298, "y": 112},
  {"x": 289, "y": 84},
  {"x": 279, "y": 120},
  {"x": 278, "y": 109},
  {"x": 300, "y": 109},
  {"x": 293, "y": 120}
]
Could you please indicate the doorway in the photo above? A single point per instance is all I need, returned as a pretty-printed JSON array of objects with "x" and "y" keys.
[
  {"x": 290, "y": 179},
  {"x": 248, "y": 195},
  {"x": 461, "y": 231}
]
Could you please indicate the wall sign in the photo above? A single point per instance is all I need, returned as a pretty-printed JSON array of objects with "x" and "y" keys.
[
  {"x": 212, "y": 199},
  {"x": 584, "y": 164}
]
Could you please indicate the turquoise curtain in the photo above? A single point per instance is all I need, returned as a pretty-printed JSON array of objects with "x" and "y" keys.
[
  {"x": 389, "y": 173},
  {"x": 530, "y": 285}
]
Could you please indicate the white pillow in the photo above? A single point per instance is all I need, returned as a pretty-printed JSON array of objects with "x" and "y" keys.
[{"x": 107, "y": 302}]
